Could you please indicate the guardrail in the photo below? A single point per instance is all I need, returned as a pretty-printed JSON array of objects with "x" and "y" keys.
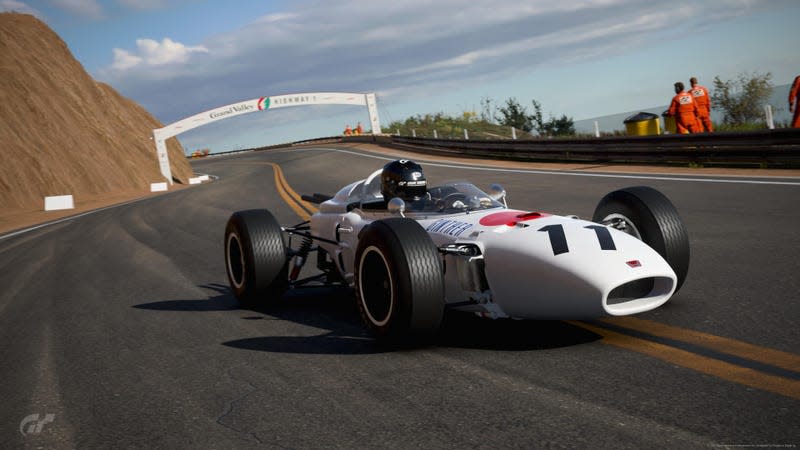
[{"x": 765, "y": 148}]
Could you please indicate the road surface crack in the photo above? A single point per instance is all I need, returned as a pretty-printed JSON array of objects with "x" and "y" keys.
[{"x": 231, "y": 406}]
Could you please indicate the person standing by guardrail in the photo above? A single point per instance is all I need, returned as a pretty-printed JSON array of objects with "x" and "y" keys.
[
  {"x": 703, "y": 101},
  {"x": 794, "y": 102},
  {"x": 684, "y": 109}
]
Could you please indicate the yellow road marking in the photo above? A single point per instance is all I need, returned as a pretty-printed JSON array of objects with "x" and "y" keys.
[
  {"x": 720, "y": 369},
  {"x": 764, "y": 355},
  {"x": 289, "y": 195},
  {"x": 285, "y": 185},
  {"x": 301, "y": 207},
  {"x": 710, "y": 366}
]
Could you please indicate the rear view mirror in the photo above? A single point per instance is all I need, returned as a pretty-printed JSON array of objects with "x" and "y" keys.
[
  {"x": 498, "y": 193},
  {"x": 396, "y": 206}
]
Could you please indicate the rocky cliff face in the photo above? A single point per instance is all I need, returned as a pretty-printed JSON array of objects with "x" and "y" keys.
[{"x": 62, "y": 132}]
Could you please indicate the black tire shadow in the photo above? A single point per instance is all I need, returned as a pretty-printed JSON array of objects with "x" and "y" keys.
[
  {"x": 462, "y": 330},
  {"x": 334, "y": 309},
  {"x": 225, "y": 301},
  {"x": 326, "y": 344}
]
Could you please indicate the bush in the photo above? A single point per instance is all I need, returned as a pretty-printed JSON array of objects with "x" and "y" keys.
[{"x": 742, "y": 100}]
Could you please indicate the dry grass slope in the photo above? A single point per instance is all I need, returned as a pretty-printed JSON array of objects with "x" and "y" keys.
[{"x": 61, "y": 132}]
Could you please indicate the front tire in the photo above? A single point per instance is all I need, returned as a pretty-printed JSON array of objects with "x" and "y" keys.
[
  {"x": 649, "y": 215},
  {"x": 255, "y": 257},
  {"x": 399, "y": 281}
]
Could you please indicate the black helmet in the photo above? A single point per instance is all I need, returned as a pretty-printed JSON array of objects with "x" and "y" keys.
[{"x": 403, "y": 178}]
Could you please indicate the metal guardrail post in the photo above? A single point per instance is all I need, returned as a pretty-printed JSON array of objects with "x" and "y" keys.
[{"x": 768, "y": 113}]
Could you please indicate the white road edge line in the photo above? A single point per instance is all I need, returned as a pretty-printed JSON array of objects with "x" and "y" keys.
[
  {"x": 77, "y": 216},
  {"x": 65, "y": 219}
]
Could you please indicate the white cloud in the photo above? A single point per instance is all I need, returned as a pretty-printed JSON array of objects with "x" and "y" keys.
[
  {"x": 166, "y": 52},
  {"x": 124, "y": 60},
  {"x": 153, "y": 53},
  {"x": 408, "y": 48},
  {"x": 89, "y": 9},
  {"x": 20, "y": 7},
  {"x": 275, "y": 18}
]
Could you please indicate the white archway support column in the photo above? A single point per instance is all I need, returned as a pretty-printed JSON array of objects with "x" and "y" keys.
[{"x": 160, "y": 135}]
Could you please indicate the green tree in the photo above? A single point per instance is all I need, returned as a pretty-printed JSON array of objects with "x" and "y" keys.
[
  {"x": 487, "y": 111},
  {"x": 537, "y": 119},
  {"x": 514, "y": 115},
  {"x": 561, "y": 126},
  {"x": 742, "y": 100}
]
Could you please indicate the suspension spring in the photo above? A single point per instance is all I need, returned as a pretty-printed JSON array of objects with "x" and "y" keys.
[{"x": 300, "y": 257}]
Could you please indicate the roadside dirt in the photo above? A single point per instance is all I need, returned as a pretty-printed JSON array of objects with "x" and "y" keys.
[{"x": 64, "y": 133}]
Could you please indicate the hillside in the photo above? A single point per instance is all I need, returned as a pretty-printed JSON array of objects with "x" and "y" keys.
[{"x": 64, "y": 133}]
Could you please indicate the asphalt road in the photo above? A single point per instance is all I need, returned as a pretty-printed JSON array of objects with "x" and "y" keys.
[{"x": 117, "y": 329}]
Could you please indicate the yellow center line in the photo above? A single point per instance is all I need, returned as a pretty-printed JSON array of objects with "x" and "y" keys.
[
  {"x": 720, "y": 369},
  {"x": 703, "y": 364},
  {"x": 301, "y": 207},
  {"x": 777, "y": 358},
  {"x": 281, "y": 181}
]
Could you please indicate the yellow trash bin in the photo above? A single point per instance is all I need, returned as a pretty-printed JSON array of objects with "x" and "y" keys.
[
  {"x": 642, "y": 124},
  {"x": 669, "y": 123}
]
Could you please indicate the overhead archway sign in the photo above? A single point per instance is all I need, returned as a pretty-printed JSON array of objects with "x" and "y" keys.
[{"x": 160, "y": 135}]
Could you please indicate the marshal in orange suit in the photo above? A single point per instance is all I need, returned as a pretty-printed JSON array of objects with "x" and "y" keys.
[
  {"x": 794, "y": 102},
  {"x": 684, "y": 109},
  {"x": 703, "y": 100}
]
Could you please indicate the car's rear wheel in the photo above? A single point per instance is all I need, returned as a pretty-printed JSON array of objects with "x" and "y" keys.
[
  {"x": 255, "y": 257},
  {"x": 399, "y": 281},
  {"x": 648, "y": 215}
]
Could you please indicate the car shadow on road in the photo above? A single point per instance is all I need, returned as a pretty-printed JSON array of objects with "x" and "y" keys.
[
  {"x": 462, "y": 330},
  {"x": 224, "y": 301},
  {"x": 335, "y": 310}
]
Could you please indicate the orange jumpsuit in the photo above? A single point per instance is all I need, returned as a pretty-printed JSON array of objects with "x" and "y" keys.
[
  {"x": 794, "y": 102},
  {"x": 701, "y": 97},
  {"x": 684, "y": 109}
]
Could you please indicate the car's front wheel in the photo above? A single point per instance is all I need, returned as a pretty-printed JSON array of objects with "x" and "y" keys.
[
  {"x": 399, "y": 281},
  {"x": 648, "y": 215},
  {"x": 255, "y": 257}
]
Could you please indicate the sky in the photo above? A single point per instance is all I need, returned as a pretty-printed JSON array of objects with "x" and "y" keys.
[{"x": 582, "y": 58}]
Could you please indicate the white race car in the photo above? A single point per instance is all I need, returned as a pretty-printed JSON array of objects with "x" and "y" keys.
[{"x": 454, "y": 246}]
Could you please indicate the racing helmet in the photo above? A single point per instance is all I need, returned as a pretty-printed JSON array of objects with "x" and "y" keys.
[{"x": 403, "y": 178}]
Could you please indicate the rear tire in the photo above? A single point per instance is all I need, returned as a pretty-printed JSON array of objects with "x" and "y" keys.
[
  {"x": 399, "y": 281},
  {"x": 649, "y": 215},
  {"x": 255, "y": 257}
]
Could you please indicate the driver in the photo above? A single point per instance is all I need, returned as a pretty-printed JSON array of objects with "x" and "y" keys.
[{"x": 403, "y": 178}]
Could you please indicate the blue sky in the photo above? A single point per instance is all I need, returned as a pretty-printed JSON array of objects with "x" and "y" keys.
[{"x": 583, "y": 58}]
